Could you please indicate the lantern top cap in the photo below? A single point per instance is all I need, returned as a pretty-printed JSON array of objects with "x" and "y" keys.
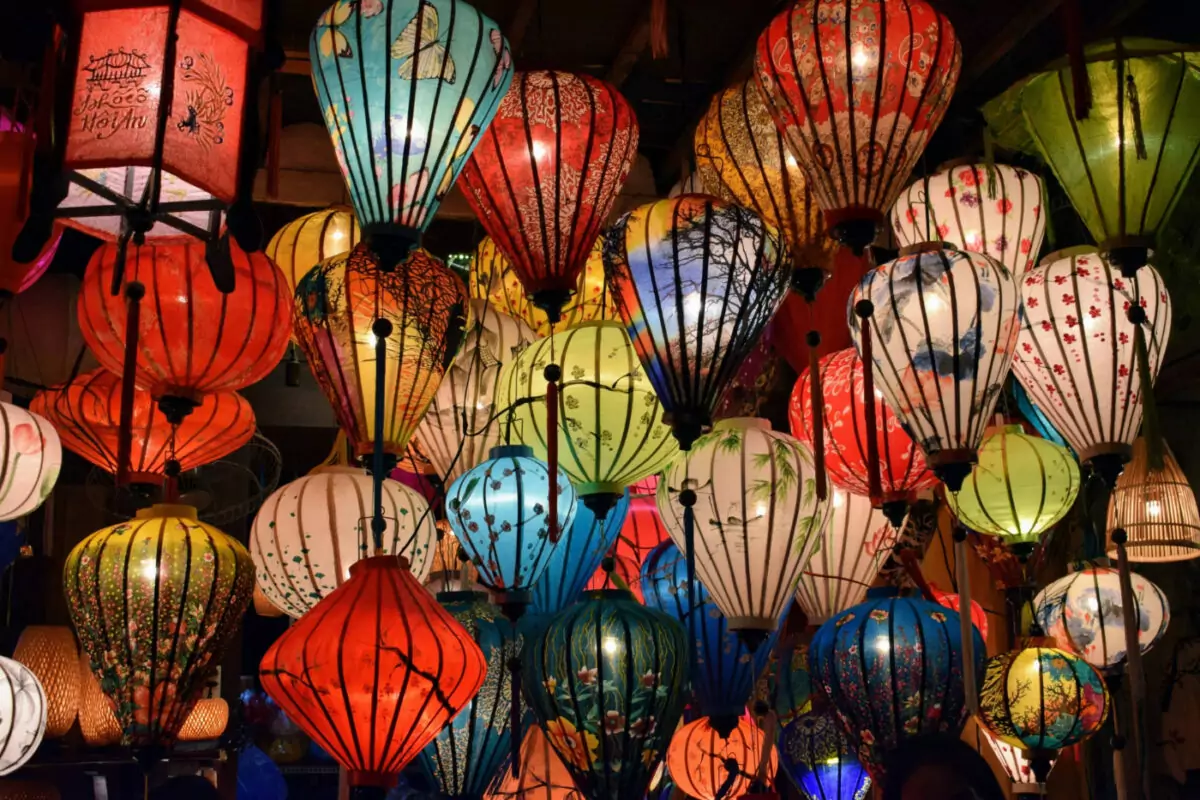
[
  {"x": 511, "y": 451},
  {"x": 337, "y": 469},
  {"x": 883, "y": 593},
  {"x": 742, "y": 424},
  {"x": 461, "y": 596},
  {"x": 168, "y": 510},
  {"x": 1005, "y": 429},
  {"x": 609, "y": 594},
  {"x": 379, "y": 563}
]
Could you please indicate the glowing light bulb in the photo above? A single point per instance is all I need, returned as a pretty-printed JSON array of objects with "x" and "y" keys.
[
  {"x": 878, "y": 395},
  {"x": 337, "y": 235},
  {"x": 791, "y": 161},
  {"x": 859, "y": 57},
  {"x": 972, "y": 240},
  {"x": 691, "y": 307},
  {"x": 934, "y": 304},
  {"x": 150, "y": 570},
  {"x": 610, "y": 645},
  {"x": 539, "y": 151},
  {"x": 760, "y": 510},
  {"x": 839, "y": 499},
  {"x": 1153, "y": 508},
  {"x": 882, "y": 645}
]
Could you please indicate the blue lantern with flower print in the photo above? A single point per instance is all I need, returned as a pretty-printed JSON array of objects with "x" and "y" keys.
[{"x": 818, "y": 756}]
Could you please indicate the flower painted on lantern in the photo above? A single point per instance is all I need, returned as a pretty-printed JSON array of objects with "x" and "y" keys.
[
  {"x": 643, "y": 727},
  {"x": 879, "y": 615},
  {"x": 868, "y": 738},
  {"x": 578, "y": 747},
  {"x": 551, "y": 684},
  {"x": 845, "y": 618},
  {"x": 649, "y": 680},
  {"x": 26, "y": 439},
  {"x": 967, "y": 176},
  {"x": 1026, "y": 246},
  {"x": 937, "y": 616},
  {"x": 614, "y": 722},
  {"x": 911, "y": 216},
  {"x": 587, "y": 676},
  {"x": 1004, "y": 205},
  {"x": 649, "y": 757}
]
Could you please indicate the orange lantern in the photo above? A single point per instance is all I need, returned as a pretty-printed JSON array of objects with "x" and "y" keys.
[
  {"x": 542, "y": 775},
  {"x": 97, "y": 722},
  {"x": 49, "y": 652},
  {"x": 699, "y": 759},
  {"x": 207, "y": 720}
]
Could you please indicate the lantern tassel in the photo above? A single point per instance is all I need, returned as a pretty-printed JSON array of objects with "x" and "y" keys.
[
  {"x": 864, "y": 309},
  {"x": 382, "y": 329},
  {"x": 553, "y": 374},
  {"x": 1135, "y": 110},
  {"x": 134, "y": 292},
  {"x": 1080, "y": 84},
  {"x": 818, "y": 411},
  {"x": 1151, "y": 429}
]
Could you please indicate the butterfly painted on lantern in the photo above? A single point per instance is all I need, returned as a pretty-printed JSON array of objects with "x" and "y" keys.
[
  {"x": 420, "y": 52},
  {"x": 504, "y": 61},
  {"x": 331, "y": 40}
]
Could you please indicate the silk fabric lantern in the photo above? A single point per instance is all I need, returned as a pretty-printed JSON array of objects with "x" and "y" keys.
[
  {"x": 942, "y": 325},
  {"x": 406, "y": 88},
  {"x": 303, "y": 243},
  {"x": 49, "y": 652},
  {"x": 22, "y": 715},
  {"x": 699, "y": 759},
  {"x": 696, "y": 282},
  {"x": 17, "y": 144},
  {"x": 545, "y": 174},
  {"x": 208, "y": 720},
  {"x": 757, "y": 518},
  {"x": 29, "y": 462},
  {"x": 643, "y": 528},
  {"x": 543, "y": 775},
  {"x": 1017, "y": 762},
  {"x": 336, "y": 305},
  {"x": 953, "y": 601},
  {"x": 819, "y": 758},
  {"x": 857, "y": 89},
  {"x": 993, "y": 209},
  {"x": 1156, "y": 509},
  {"x": 576, "y": 557},
  {"x": 609, "y": 429},
  {"x": 175, "y": 588},
  {"x": 308, "y": 534},
  {"x": 375, "y": 671}
]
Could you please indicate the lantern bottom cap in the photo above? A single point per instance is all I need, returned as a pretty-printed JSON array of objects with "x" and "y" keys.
[
  {"x": 162, "y": 510},
  {"x": 1157, "y": 551},
  {"x": 380, "y": 562},
  {"x": 384, "y": 780},
  {"x": 600, "y": 497}
]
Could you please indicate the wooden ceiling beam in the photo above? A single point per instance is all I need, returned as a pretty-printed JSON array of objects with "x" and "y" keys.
[
  {"x": 631, "y": 50},
  {"x": 1017, "y": 27},
  {"x": 518, "y": 25}
]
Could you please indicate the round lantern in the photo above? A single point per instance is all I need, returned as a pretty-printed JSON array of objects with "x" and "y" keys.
[
  {"x": 303, "y": 243},
  {"x": 819, "y": 758},
  {"x": 576, "y": 557},
  {"x": 29, "y": 462},
  {"x": 87, "y": 415},
  {"x": 208, "y": 720},
  {"x": 902, "y": 470},
  {"x": 1077, "y": 353},
  {"x": 406, "y": 87},
  {"x": 463, "y": 422},
  {"x": 493, "y": 279},
  {"x": 993, "y": 209},
  {"x": 466, "y": 754},
  {"x": 1156, "y": 508},
  {"x": 854, "y": 544},
  {"x": 500, "y": 514},
  {"x": 610, "y": 432},
  {"x": 309, "y": 532},
  {"x": 1021, "y": 486},
  {"x": 953, "y": 601},
  {"x": 543, "y": 775},
  {"x": 857, "y": 94},
  {"x": 339, "y": 301},
  {"x": 1084, "y": 613},
  {"x": 49, "y": 652},
  {"x": 176, "y": 589},
  {"x": 97, "y": 722},
  {"x": 893, "y": 669},
  {"x": 22, "y": 715},
  {"x": 193, "y": 339},
  {"x": 696, "y": 281},
  {"x": 699, "y": 759},
  {"x": 757, "y": 518},
  {"x": 545, "y": 174},
  {"x": 939, "y": 329},
  {"x": 375, "y": 671},
  {"x": 605, "y": 682},
  {"x": 1042, "y": 698}
]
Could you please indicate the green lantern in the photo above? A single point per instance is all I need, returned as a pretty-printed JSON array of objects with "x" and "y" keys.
[{"x": 1126, "y": 162}]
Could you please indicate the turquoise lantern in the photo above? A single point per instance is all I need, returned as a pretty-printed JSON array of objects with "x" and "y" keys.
[{"x": 405, "y": 87}]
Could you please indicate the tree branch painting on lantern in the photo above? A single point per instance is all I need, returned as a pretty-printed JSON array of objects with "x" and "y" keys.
[{"x": 207, "y": 98}]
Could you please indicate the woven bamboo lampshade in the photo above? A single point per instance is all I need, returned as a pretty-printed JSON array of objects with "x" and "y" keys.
[
  {"x": 49, "y": 652},
  {"x": 1157, "y": 509},
  {"x": 207, "y": 721},
  {"x": 97, "y": 722}
]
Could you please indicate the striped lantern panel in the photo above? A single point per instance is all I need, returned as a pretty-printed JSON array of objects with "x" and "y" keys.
[
  {"x": 30, "y": 459},
  {"x": 307, "y": 241},
  {"x": 698, "y": 759}
]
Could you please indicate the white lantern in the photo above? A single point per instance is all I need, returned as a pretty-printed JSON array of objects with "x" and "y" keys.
[
  {"x": 853, "y": 545},
  {"x": 996, "y": 211},
  {"x": 309, "y": 532},
  {"x": 22, "y": 715},
  {"x": 459, "y": 430},
  {"x": 757, "y": 518},
  {"x": 1016, "y": 763},
  {"x": 29, "y": 461},
  {"x": 1077, "y": 354}
]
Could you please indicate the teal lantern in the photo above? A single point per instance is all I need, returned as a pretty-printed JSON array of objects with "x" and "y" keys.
[
  {"x": 406, "y": 87},
  {"x": 605, "y": 683},
  {"x": 577, "y": 557}
]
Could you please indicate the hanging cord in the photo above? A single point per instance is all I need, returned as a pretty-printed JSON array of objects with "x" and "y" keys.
[
  {"x": 172, "y": 468},
  {"x": 989, "y": 161},
  {"x": 381, "y": 329},
  {"x": 687, "y": 499},
  {"x": 1135, "y": 110},
  {"x": 1080, "y": 83},
  {"x": 1151, "y": 428},
  {"x": 134, "y": 292},
  {"x": 864, "y": 309},
  {"x": 1136, "y": 759},
  {"x": 514, "y": 718}
]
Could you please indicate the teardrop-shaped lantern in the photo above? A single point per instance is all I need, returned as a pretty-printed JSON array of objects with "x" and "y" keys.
[
  {"x": 1156, "y": 508},
  {"x": 696, "y": 282},
  {"x": 406, "y": 87},
  {"x": 30, "y": 461},
  {"x": 939, "y": 328},
  {"x": 545, "y": 174},
  {"x": 857, "y": 89},
  {"x": 819, "y": 757},
  {"x": 708, "y": 765},
  {"x": 543, "y": 775},
  {"x": 576, "y": 557},
  {"x": 305, "y": 242}
]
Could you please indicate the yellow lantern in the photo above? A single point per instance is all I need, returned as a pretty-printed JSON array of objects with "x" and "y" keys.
[
  {"x": 1156, "y": 508},
  {"x": 49, "y": 652},
  {"x": 207, "y": 721},
  {"x": 1021, "y": 486},
  {"x": 305, "y": 242}
]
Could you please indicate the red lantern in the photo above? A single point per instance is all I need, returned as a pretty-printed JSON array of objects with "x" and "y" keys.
[
  {"x": 796, "y": 316},
  {"x": 86, "y": 414},
  {"x": 374, "y": 671},
  {"x": 545, "y": 173},
  {"x": 643, "y": 528},
  {"x": 953, "y": 601},
  {"x": 902, "y": 470},
  {"x": 857, "y": 87}
]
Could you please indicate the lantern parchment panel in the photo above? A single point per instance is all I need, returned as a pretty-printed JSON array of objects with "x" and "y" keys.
[
  {"x": 1156, "y": 509},
  {"x": 22, "y": 715}
]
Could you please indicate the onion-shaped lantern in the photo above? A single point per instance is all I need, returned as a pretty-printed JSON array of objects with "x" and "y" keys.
[
  {"x": 939, "y": 327},
  {"x": 696, "y": 282},
  {"x": 22, "y": 715},
  {"x": 543, "y": 775},
  {"x": 1021, "y": 486},
  {"x": 757, "y": 519},
  {"x": 610, "y": 432},
  {"x": 707, "y": 765},
  {"x": 1084, "y": 613},
  {"x": 305, "y": 242},
  {"x": 339, "y": 301},
  {"x": 175, "y": 588},
  {"x": 893, "y": 670},
  {"x": 406, "y": 87},
  {"x": 605, "y": 682},
  {"x": 545, "y": 174},
  {"x": 308, "y": 534},
  {"x": 857, "y": 91},
  {"x": 902, "y": 470},
  {"x": 1156, "y": 508},
  {"x": 374, "y": 671},
  {"x": 87, "y": 415},
  {"x": 49, "y": 652},
  {"x": 30, "y": 462},
  {"x": 463, "y": 422},
  {"x": 577, "y": 556},
  {"x": 1077, "y": 354},
  {"x": 992, "y": 209},
  {"x": 819, "y": 757},
  {"x": 724, "y": 670},
  {"x": 466, "y": 754},
  {"x": 1125, "y": 150},
  {"x": 854, "y": 544}
]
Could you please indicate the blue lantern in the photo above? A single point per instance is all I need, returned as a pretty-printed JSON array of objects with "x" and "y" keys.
[
  {"x": 818, "y": 756},
  {"x": 893, "y": 669},
  {"x": 1037, "y": 418},
  {"x": 406, "y": 87},
  {"x": 466, "y": 754},
  {"x": 724, "y": 670},
  {"x": 500, "y": 512},
  {"x": 577, "y": 557},
  {"x": 605, "y": 682},
  {"x": 785, "y": 684}
]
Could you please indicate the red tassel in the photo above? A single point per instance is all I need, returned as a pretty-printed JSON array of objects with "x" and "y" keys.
[
  {"x": 817, "y": 398},
  {"x": 274, "y": 131},
  {"x": 134, "y": 292},
  {"x": 552, "y": 450},
  {"x": 1080, "y": 85},
  {"x": 875, "y": 487},
  {"x": 658, "y": 28}
]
